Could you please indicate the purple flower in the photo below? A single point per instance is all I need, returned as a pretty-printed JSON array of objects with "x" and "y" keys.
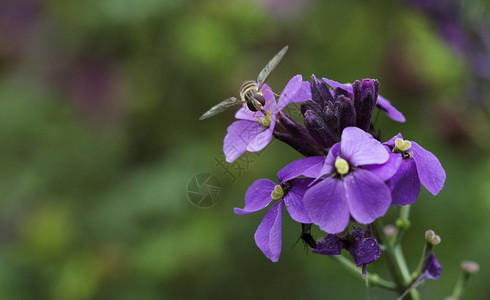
[
  {"x": 349, "y": 189},
  {"x": 363, "y": 248},
  {"x": 382, "y": 102},
  {"x": 253, "y": 131},
  {"x": 290, "y": 193},
  {"x": 432, "y": 269},
  {"x": 413, "y": 165}
]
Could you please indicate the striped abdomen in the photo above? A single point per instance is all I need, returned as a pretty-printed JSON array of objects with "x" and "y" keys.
[{"x": 252, "y": 96}]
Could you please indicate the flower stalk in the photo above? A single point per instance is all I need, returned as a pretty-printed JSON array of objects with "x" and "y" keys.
[
  {"x": 372, "y": 278},
  {"x": 467, "y": 269},
  {"x": 402, "y": 223},
  {"x": 396, "y": 262}
]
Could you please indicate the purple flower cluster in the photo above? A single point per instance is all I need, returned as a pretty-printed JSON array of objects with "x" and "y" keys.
[{"x": 347, "y": 175}]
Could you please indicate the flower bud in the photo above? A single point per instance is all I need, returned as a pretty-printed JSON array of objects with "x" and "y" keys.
[
  {"x": 432, "y": 238},
  {"x": 429, "y": 235},
  {"x": 341, "y": 92},
  {"x": 317, "y": 129},
  {"x": 470, "y": 267},
  {"x": 296, "y": 136},
  {"x": 365, "y": 96},
  {"x": 403, "y": 223},
  {"x": 435, "y": 240},
  {"x": 332, "y": 122},
  {"x": 345, "y": 112},
  {"x": 320, "y": 93},
  {"x": 390, "y": 230},
  {"x": 310, "y": 105}
]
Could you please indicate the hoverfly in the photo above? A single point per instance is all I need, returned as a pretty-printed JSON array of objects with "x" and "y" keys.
[{"x": 250, "y": 91}]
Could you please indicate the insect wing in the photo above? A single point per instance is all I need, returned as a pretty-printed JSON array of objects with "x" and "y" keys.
[
  {"x": 270, "y": 66},
  {"x": 220, "y": 107}
]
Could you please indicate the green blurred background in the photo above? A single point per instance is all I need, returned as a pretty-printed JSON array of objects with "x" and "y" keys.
[{"x": 100, "y": 136}]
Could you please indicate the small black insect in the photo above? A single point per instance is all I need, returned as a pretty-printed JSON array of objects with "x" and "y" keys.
[{"x": 306, "y": 237}]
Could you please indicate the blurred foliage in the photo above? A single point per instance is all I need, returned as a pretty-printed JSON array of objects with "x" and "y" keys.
[{"x": 99, "y": 106}]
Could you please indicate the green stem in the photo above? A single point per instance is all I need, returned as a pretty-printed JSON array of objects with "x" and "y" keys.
[
  {"x": 373, "y": 279},
  {"x": 396, "y": 260},
  {"x": 403, "y": 223},
  {"x": 425, "y": 255},
  {"x": 459, "y": 287}
]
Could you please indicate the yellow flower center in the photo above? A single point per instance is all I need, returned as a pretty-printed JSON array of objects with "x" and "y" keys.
[
  {"x": 402, "y": 145},
  {"x": 277, "y": 193},
  {"x": 265, "y": 120},
  {"x": 342, "y": 166}
]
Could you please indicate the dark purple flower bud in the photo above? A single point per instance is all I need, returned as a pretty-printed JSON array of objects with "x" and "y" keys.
[
  {"x": 341, "y": 92},
  {"x": 310, "y": 105},
  {"x": 320, "y": 93},
  {"x": 332, "y": 122},
  {"x": 346, "y": 114},
  {"x": 318, "y": 129},
  {"x": 365, "y": 95},
  {"x": 296, "y": 136}
]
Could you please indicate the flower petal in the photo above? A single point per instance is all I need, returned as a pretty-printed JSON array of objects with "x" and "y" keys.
[
  {"x": 294, "y": 200},
  {"x": 262, "y": 136},
  {"x": 367, "y": 196},
  {"x": 270, "y": 99},
  {"x": 329, "y": 164},
  {"x": 363, "y": 249},
  {"x": 430, "y": 170},
  {"x": 309, "y": 167},
  {"x": 390, "y": 110},
  {"x": 268, "y": 235},
  {"x": 405, "y": 184},
  {"x": 304, "y": 93},
  {"x": 257, "y": 197},
  {"x": 327, "y": 206},
  {"x": 320, "y": 92},
  {"x": 432, "y": 269},
  {"x": 345, "y": 86},
  {"x": 330, "y": 245},
  {"x": 360, "y": 148},
  {"x": 290, "y": 92},
  {"x": 245, "y": 114},
  {"x": 389, "y": 168},
  {"x": 239, "y": 135}
]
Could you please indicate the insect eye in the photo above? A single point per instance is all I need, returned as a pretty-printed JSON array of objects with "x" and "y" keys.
[
  {"x": 260, "y": 98},
  {"x": 251, "y": 106}
]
